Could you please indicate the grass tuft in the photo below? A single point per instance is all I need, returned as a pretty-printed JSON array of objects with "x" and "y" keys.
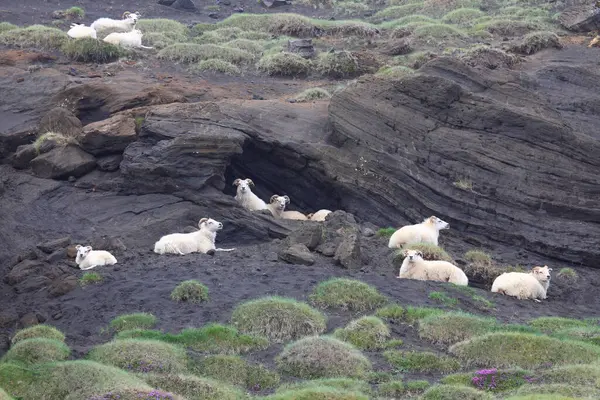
[
  {"x": 366, "y": 333},
  {"x": 312, "y": 94},
  {"x": 236, "y": 371},
  {"x": 353, "y": 385},
  {"x": 393, "y": 312},
  {"x": 386, "y": 232},
  {"x": 414, "y": 361},
  {"x": 191, "y": 291},
  {"x": 514, "y": 349},
  {"x": 133, "y": 321},
  {"x": 567, "y": 274},
  {"x": 414, "y": 314},
  {"x": 284, "y": 64},
  {"x": 7, "y": 26},
  {"x": 36, "y": 351},
  {"x": 579, "y": 375},
  {"x": 318, "y": 393},
  {"x": 558, "y": 389},
  {"x": 451, "y": 392},
  {"x": 35, "y": 36},
  {"x": 394, "y": 72},
  {"x": 399, "y": 389},
  {"x": 340, "y": 64},
  {"x": 436, "y": 32},
  {"x": 58, "y": 139},
  {"x": 162, "y": 25},
  {"x": 90, "y": 50},
  {"x": 430, "y": 252},
  {"x": 462, "y": 16},
  {"x": 89, "y": 278},
  {"x": 554, "y": 324},
  {"x": 249, "y": 45},
  {"x": 454, "y": 327},
  {"x": 536, "y": 41},
  {"x": 38, "y": 331},
  {"x": 478, "y": 257},
  {"x": 322, "y": 357},
  {"x": 214, "y": 65},
  {"x": 396, "y": 12},
  {"x": 589, "y": 334},
  {"x": 74, "y": 12},
  {"x": 443, "y": 298},
  {"x": 346, "y": 294},
  {"x": 193, "y": 387},
  {"x": 193, "y": 52},
  {"x": 279, "y": 319}
]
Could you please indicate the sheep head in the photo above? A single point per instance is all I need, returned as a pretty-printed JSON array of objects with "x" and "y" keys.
[
  {"x": 412, "y": 255},
  {"x": 542, "y": 274},
  {"x": 210, "y": 224},
  {"x": 437, "y": 223},
  {"x": 280, "y": 201},
  {"x": 243, "y": 185},
  {"x": 82, "y": 252},
  {"x": 132, "y": 16}
]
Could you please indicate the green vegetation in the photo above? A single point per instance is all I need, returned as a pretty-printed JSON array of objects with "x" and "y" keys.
[
  {"x": 236, "y": 371},
  {"x": 7, "y": 26},
  {"x": 339, "y": 64},
  {"x": 318, "y": 393},
  {"x": 191, "y": 291},
  {"x": 249, "y": 45},
  {"x": 414, "y": 314},
  {"x": 454, "y": 327},
  {"x": 74, "y": 12},
  {"x": 58, "y": 139},
  {"x": 212, "y": 338},
  {"x": 37, "y": 36},
  {"x": 399, "y": 389},
  {"x": 312, "y": 94},
  {"x": 133, "y": 321},
  {"x": 38, "y": 331},
  {"x": 89, "y": 278},
  {"x": 193, "y": 52},
  {"x": 437, "y": 32},
  {"x": 414, "y": 361},
  {"x": 492, "y": 380},
  {"x": 352, "y": 385},
  {"x": 322, "y": 357},
  {"x": 36, "y": 351},
  {"x": 386, "y": 232},
  {"x": 284, "y": 64},
  {"x": 478, "y": 256},
  {"x": 4, "y": 395},
  {"x": 590, "y": 334},
  {"x": 141, "y": 356},
  {"x": 279, "y": 319},
  {"x": 396, "y": 12},
  {"x": 90, "y": 50},
  {"x": 464, "y": 184},
  {"x": 16, "y": 379},
  {"x": 570, "y": 391},
  {"x": 222, "y": 35},
  {"x": 507, "y": 27},
  {"x": 347, "y": 294},
  {"x": 393, "y": 311},
  {"x": 554, "y": 324},
  {"x": 451, "y": 392},
  {"x": 578, "y": 375},
  {"x": 394, "y": 72},
  {"x": 536, "y": 41},
  {"x": 567, "y": 274},
  {"x": 430, "y": 252},
  {"x": 515, "y": 349},
  {"x": 366, "y": 333},
  {"x": 193, "y": 387},
  {"x": 443, "y": 298},
  {"x": 462, "y": 16}
]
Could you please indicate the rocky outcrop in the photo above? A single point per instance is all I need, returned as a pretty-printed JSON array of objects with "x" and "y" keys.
[
  {"x": 582, "y": 18},
  {"x": 60, "y": 120},
  {"x": 63, "y": 162},
  {"x": 111, "y": 135}
]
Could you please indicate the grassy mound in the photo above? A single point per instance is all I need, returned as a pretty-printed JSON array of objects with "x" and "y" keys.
[
  {"x": 37, "y": 351},
  {"x": 414, "y": 361},
  {"x": 322, "y": 357},
  {"x": 366, "y": 333},
  {"x": 352, "y": 385},
  {"x": 318, "y": 393},
  {"x": 36, "y": 36},
  {"x": 513, "y": 349},
  {"x": 4, "y": 395},
  {"x": 69, "y": 380},
  {"x": 284, "y": 64},
  {"x": 338, "y": 65},
  {"x": 396, "y": 12},
  {"x": 90, "y": 50},
  {"x": 236, "y": 371},
  {"x": 7, "y": 26},
  {"x": 212, "y": 338},
  {"x": 89, "y": 278},
  {"x": 541, "y": 397},
  {"x": 161, "y": 25},
  {"x": 191, "y": 290},
  {"x": 137, "y": 394},
  {"x": 193, "y": 52},
  {"x": 279, "y": 319},
  {"x": 133, "y": 321},
  {"x": 491, "y": 380},
  {"x": 394, "y": 72},
  {"x": 312, "y": 94},
  {"x": 478, "y": 256},
  {"x": 193, "y": 387},
  {"x": 38, "y": 331},
  {"x": 559, "y": 389},
  {"x": 536, "y": 41},
  {"x": 251, "y": 46},
  {"x": 507, "y": 27},
  {"x": 430, "y": 252},
  {"x": 347, "y": 294},
  {"x": 555, "y": 324},
  {"x": 491, "y": 58},
  {"x": 214, "y": 65},
  {"x": 226, "y": 34},
  {"x": 392, "y": 312},
  {"x": 435, "y": 33},
  {"x": 141, "y": 356},
  {"x": 462, "y": 16},
  {"x": 399, "y": 389},
  {"x": 453, "y": 327},
  {"x": 414, "y": 314},
  {"x": 581, "y": 375},
  {"x": 451, "y": 392},
  {"x": 590, "y": 334}
]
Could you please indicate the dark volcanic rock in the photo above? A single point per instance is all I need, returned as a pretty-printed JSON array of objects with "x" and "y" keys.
[
  {"x": 32, "y": 284},
  {"x": 53, "y": 245},
  {"x": 23, "y": 270},
  {"x": 111, "y": 135},
  {"x": 309, "y": 235},
  {"x": 186, "y": 5},
  {"x": 397, "y": 47},
  {"x": 166, "y": 2},
  {"x": 62, "y": 285},
  {"x": 109, "y": 163},
  {"x": 297, "y": 254},
  {"x": 60, "y": 120},
  {"x": 583, "y": 18},
  {"x": 23, "y": 156},
  {"x": 348, "y": 252},
  {"x": 63, "y": 162}
]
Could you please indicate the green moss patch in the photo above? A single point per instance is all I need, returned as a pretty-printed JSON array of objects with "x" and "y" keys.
[
  {"x": 37, "y": 351},
  {"x": 414, "y": 361},
  {"x": 236, "y": 371},
  {"x": 133, "y": 321},
  {"x": 191, "y": 291},
  {"x": 35, "y": 36},
  {"x": 194, "y": 387},
  {"x": 366, "y": 333},
  {"x": 347, "y": 294},
  {"x": 454, "y": 327},
  {"x": 38, "y": 331},
  {"x": 451, "y": 392}
]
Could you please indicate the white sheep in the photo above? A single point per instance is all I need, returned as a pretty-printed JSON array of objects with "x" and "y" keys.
[
  {"x": 88, "y": 258},
  {"x": 415, "y": 267},
  {"x": 127, "y": 39},
  {"x": 427, "y": 231},
  {"x": 277, "y": 208},
  {"x": 201, "y": 241},
  {"x": 533, "y": 285},
  {"x": 117, "y": 25},
  {"x": 246, "y": 198},
  {"x": 319, "y": 215},
  {"x": 79, "y": 31}
]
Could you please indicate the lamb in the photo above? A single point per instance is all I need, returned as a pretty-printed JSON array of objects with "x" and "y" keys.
[
  {"x": 88, "y": 258},
  {"x": 126, "y": 39},
  {"x": 246, "y": 198},
  {"x": 277, "y": 208},
  {"x": 201, "y": 241},
  {"x": 79, "y": 31},
  {"x": 427, "y": 231},
  {"x": 415, "y": 267},
  {"x": 117, "y": 25},
  {"x": 319, "y": 215},
  {"x": 533, "y": 285}
]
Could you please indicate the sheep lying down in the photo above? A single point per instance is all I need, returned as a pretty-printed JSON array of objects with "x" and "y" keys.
[
  {"x": 88, "y": 258},
  {"x": 415, "y": 267},
  {"x": 201, "y": 241},
  {"x": 533, "y": 285}
]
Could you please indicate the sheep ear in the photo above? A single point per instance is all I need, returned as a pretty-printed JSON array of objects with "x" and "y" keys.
[
  {"x": 236, "y": 182},
  {"x": 287, "y": 199},
  {"x": 250, "y": 182},
  {"x": 78, "y": 246},
  {"x": 89, "y": 248},
  {"x": 126, "y": 14},
  {"x": 273, "y": 198},
  {"x": 405, "y": 253},
  {"x": 202, "y": 220},
  {"x": 419, "y": 254}
]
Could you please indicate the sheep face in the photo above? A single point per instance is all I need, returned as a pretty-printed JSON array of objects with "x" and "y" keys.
[
  {"x": 438, "y": 223},
  {"x": 210, "y": 224},
  {"x": 82, "y": 252},
  {"x": 542, "y": 274},
  {"x": 243, "y": 185},
  {"x": 280, "y": 201},
  {"x": 413, "y": 255},
  {"x": 131, "y": 16}
]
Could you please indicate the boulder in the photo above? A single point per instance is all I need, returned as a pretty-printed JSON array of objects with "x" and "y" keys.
[
  {"x": 62, "y": 285},
  {"x": 8, "y": 318},
  {"x": 166, "y": 2},
  {"x": 62, "y": 162},
  {"x": 55, "y": 244},
  {"x": 32, "y": 284},
  {"x": 29, "y": 319},
  {"x": 309, "y": 235},
  {"x": 23, "y": 270},
  {"x": 109, "y": 136},
  {"x": 581, "y": 18},
  {"x": 302, "y": 47},
  {"x": 60, "y": 120},
  {"x": 275, "y": 3},
  {"x": 397, "y": 47},
  {"x": 109, "y": 163},
  {"x": 297, "y": 254},
  {"x": 23, "y": 156},
  {"x": 348, "y": 253},
  {"x": 185, "y": 5}
]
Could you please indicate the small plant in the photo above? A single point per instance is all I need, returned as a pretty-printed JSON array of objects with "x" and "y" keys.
[
  {"x": 191, "y": 291},
  {"x": 485, "y": 303},
  {"x": 38, "y": 331},
  {"x": 497, "y": 381},
  {"x": 393, "y": 311},
  {"x": 443, "y": 298},
  {"x": 568, "y": 274},
  {"x": 414, "y": 361},
  {"x": 478, "y": 256},
  {"x": 347, "y": 294},
  {"x": 74, "y": 12},
  {"x": 57, "y": 139},
  {"x": 464, "y": 184},
  {"x": 414, "y": 314},
  {"x": 215, "y": 65},
  {"x": 451, "y": 392},
  {"x": 386, "y": 232},
  {"x": 366, "y": 333},
  {"x": 284, "y": 64},
  {"x": 139, "y": 121},
  {"x": 133, "y": 321},
  {"x": 312, "y": 94},
  {"x": 430, "y": 252},
  {"x": 194, "y": 387},
  {"x": 554, "y": 324},
  {"x": 90, "y": 278}
]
